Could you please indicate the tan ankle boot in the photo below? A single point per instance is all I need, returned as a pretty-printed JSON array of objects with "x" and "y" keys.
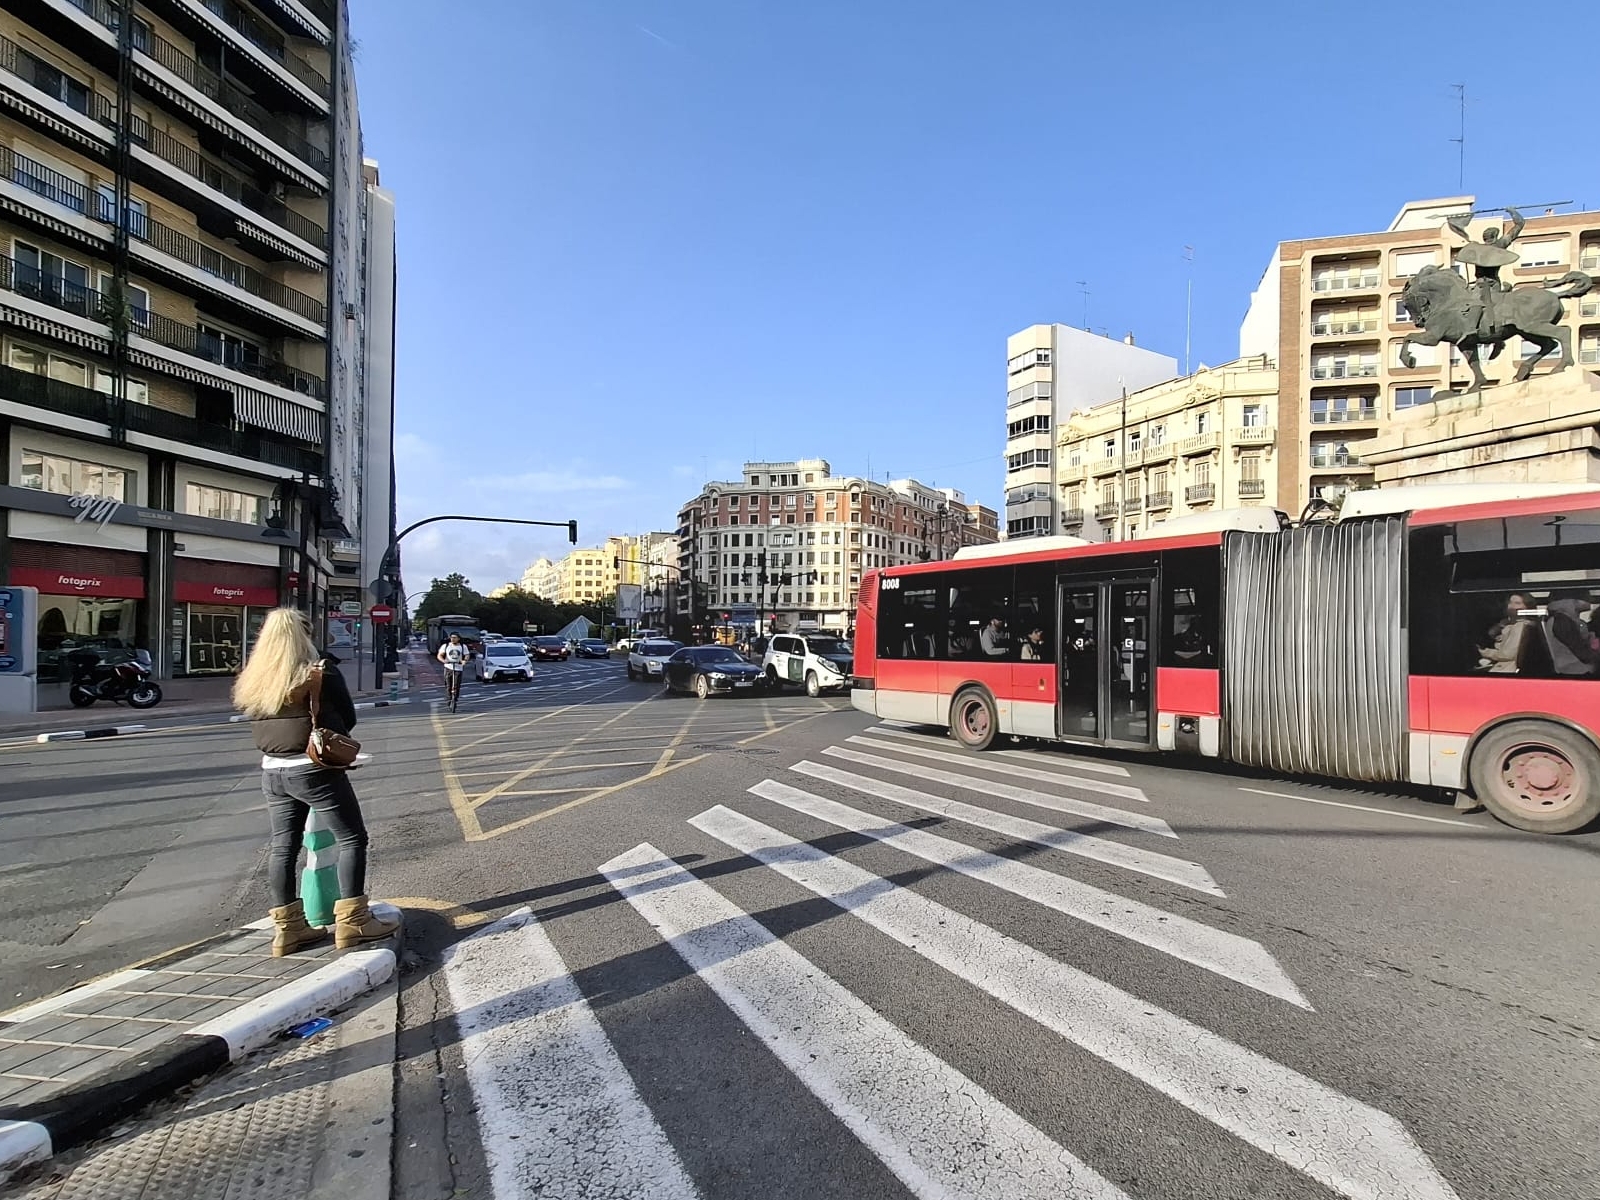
[
  {"x": 290, "y": 930},
  {"x": 353, "y": 923}
]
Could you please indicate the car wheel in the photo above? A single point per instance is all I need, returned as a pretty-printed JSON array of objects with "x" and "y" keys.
[
  {"x": 631, "y": 674},
  {"x": 1537, "y": 776},
  {"x": 774, "y": 684},
  {"x": 702, "y": 686},
  {"x": 973, "y": 721},
  {"x": 813, "y": 686}
]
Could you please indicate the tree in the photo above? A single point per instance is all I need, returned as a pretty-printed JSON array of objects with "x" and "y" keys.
[{"x": 452, "y": 594}]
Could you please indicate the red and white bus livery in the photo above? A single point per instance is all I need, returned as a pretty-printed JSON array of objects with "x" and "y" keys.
[{"x": 1447, "y": 636}]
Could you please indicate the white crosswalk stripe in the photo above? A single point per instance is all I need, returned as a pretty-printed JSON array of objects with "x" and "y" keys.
[
  {"x": 988, "y": 762},
  {"x": 1085, "y": 845},
  {"x": 558, "y": 1112},
  {"x": 1226, "y": 954},
  {"x": 1031, "y": 756},
  {"x": 1348, "y": 1146},
  {"x": 911, "y": 1109}
]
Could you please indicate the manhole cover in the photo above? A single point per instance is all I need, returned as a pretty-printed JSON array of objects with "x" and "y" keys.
[{"x": 725, "y": 748}]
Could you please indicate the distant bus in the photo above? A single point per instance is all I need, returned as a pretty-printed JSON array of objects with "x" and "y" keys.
[
  {"x": 440, "y": 628},
  {"x": 1446, "y": 636}
]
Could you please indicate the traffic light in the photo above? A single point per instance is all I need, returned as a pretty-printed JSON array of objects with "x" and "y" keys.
[
  {"x": 616, "y": 562},
  {"x": 572, "y": 532}
]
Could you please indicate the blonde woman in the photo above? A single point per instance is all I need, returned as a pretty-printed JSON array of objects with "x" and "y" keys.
[{"x": 274, "y": 690}]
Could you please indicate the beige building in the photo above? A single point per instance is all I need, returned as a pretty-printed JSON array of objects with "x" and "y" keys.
[
  {"x": 1194, "y": 444},
  {"x": 1328, "y": 311},
  {"x": 542, "y": 579},
  {"x": 785, "y": 544}
]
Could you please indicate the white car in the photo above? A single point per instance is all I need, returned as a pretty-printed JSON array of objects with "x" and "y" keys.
[
  {"x": 641, "y": 635},
  {"x": 817, "y": 662},
  {"x": 648, "y": 659},
  {"x": 507, "y": 659}
]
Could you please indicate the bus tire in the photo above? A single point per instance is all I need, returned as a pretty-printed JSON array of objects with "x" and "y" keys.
[
  {"x": 973, "y": 720},
  {"x": 1537, "y": 776}
]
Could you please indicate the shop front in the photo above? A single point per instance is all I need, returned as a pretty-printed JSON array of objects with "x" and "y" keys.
[
  {"x": 217, "y": 611},
  {"x": 89, "y": 599}
]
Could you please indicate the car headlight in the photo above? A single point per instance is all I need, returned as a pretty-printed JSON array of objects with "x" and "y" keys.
[
  {"x": 719, "y": 677},
  {"x": 829, "y": 666}
]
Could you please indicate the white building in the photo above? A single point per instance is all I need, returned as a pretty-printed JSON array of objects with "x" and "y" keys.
[{"x": 1051, "y": 372}]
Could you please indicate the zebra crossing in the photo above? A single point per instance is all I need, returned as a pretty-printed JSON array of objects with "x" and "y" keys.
[{"x": 937, "y": 1130}]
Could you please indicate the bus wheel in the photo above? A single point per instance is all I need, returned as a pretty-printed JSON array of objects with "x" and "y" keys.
[
  {"x": 973, "y": 722},
  {"x": 1537, "y": 776}
]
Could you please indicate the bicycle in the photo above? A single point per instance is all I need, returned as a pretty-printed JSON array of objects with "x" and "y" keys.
[{"x": 452, "y": 687}]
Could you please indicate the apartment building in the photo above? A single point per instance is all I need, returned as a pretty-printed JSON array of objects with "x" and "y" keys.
[
  {"x": 192, "y": 257},
  {"x": 785, "y": 545},
  {"x": 1328, "y": 311},
  {"x": 659, "y": 552},
  {"x": 586, "y": 576},
  {"x": 1194, "y": 444},
  {"x": 543, "y": 579},
  {"x": 1052, "y": 370}
]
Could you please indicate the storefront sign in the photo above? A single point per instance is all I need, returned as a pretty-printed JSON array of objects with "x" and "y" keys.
[
  {"x": 225, "y": 593},
  {"x": 79, "y": 583},
  {"x": 100, "y": 511}
]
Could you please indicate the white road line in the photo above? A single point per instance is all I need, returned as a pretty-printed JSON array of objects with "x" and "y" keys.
[
  {"x": 1226, "y": 954},
  {"x": 1007, "y": 791},
  {"x": 941, "y": 1134},
  {"x": 890, "y": 729},
  {"x": 1348, "y": 1146},
  {"x": 558, "y": 1112},
  {"x": 1387, "y": 812},
  {"x": 1084, "y": 845},
  {"x": 988, "y": 762}
]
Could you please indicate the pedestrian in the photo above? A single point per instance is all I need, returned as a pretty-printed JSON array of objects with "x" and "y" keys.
[{"x": 275, "y": 691}]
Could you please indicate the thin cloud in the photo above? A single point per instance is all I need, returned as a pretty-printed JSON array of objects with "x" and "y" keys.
[{"x": 652, "y": 33}]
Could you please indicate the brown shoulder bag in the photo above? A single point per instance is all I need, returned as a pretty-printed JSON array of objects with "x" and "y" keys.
[{"x": 326, "y": 747}]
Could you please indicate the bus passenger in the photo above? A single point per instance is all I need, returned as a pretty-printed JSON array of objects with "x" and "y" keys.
[
  {"x": 1033, "y": 646},
  {"x": 1499, "y": 655},
  {"x": 1572, "y": 649},
  {"x": 993, "y": 638}
]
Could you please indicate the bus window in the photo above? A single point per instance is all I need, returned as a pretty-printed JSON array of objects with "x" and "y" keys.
[
  {"x": 1519, "y": 596},
  {"x": 979, "y": 625},
  {"x": 908, "y": 617},
  {"x": 1191, "y": 582}
]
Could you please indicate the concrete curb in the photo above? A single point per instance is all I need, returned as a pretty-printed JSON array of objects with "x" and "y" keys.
[
  {"x": 33, "y": 1133},
  {"x": 78, "y": 735}
]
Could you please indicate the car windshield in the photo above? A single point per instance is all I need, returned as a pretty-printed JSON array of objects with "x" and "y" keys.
[
  {"x": 827, "y": 645},
  {"x": 549, "y": 641},
  {"x": 506, "y": 650},
  {"x": 594, "y": 643},
  {"x": 720, "y": 654},
  {"x": 659, "y": 649}
]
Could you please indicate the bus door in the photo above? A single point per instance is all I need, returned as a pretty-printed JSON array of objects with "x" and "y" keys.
[{"x": 1104, "y": 664}]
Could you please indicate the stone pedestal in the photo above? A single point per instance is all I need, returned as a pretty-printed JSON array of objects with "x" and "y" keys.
[{"x": 1544, "y": 430}]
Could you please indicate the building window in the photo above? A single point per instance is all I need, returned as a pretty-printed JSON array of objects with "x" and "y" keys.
[
  {"x": 1402, "y": 315},
  {"x": 53, "y": 366},
  {"x": 1135, "y": 442},
  {"x": 1202, "y": 472},
  {"x": 1410, "y": 397},
  {"x": 1250, "y": 467},
  {"x": 1111, "y": 447},
  {"x": 64, "y": 476},
  {"x": 138, "y": 300},
  {"x": 221, "y": 504},
  {"x": 1028, "y": 458},
  {"x": 1158, "y": 435},
  {"x": 54, "y": 83},
  {"x": 138, "y": 211},
  {"x": 138, "y": 390},
  {"x": 1158, "y": 482},
  {"x": 51, "y": 278},
  {"x": 1202, "y": 422},
  {"x": 1255, "y": 416},
  {"x": 1548, "y": 253}
]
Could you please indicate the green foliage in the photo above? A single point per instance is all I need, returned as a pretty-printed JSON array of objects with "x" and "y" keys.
[{"x": 452, "y": 594}]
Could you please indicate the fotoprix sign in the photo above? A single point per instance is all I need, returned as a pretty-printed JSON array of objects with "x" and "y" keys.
[
  {"x": 225, "y": 593},
  {"x": 79, "y": 583}
]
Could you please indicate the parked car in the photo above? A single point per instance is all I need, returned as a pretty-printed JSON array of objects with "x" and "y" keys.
[
  {"x": 705, "y": 670},
  {"x": 505, "y": 659},
  {"x": 592, "y": 648},
  {"x": 815, "y": 661},
  {"x": 648, "y": 659},
  {"x": 549, "y": 648}
]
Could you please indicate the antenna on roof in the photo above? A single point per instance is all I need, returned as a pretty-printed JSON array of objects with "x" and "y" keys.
[
  {"x": 1461, "y": 141},
  {"x": 1083, "y": 286}
]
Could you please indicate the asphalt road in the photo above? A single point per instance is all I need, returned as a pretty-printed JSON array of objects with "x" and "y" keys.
[{"x": 768, "y": 947}]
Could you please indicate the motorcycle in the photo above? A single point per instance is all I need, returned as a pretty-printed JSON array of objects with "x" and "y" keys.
[{"x": 102, "y": 679}]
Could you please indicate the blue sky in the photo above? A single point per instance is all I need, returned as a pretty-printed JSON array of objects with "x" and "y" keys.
[{"x": 642, "y": 241}]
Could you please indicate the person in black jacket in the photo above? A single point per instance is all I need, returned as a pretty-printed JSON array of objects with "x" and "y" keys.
[{"x": 274, "y": 691}]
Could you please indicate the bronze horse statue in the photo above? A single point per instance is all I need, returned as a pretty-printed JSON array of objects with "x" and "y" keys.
[{"x": 1441, "y": 304}]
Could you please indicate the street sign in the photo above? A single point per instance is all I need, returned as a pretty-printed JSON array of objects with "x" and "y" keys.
[
  {"x": 381, "y": 589},
  {"x": 381, "y": 614},
  {"x": 350, "y": 608}
]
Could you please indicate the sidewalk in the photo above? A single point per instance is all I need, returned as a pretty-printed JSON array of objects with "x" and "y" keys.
[{"x": 74, "y": 1065}]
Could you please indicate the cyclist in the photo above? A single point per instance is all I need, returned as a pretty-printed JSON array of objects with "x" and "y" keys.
[{"x": 455, "y": 655}]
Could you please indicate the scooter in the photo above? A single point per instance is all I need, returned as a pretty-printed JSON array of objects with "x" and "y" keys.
[{"x": 115, "y": 681}]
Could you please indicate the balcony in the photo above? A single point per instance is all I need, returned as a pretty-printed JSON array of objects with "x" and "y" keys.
[
  {"x": 1344, "y": 416},
  {"x": 86, "y": 302},
  {"x": 1344, "y": 370},
  {"x": 1198, "y": 443},
  {"x": 1157, "y": 501},
  {"x": 1255, "y": 434},
  {"x": 39, "y": 391},
  {"x": 1200, "y": 493},
  {"x": 1334, "y": 458},
  {"x": 1343, "y": 328},
  {"x": 1071, "y": 472},
  {"x": 1105, "y": 510},
  {"x": 1155, "y": 452},
  {"x": 1252, "y": 489},
  {"x": 1071, "y": 517},
  {"x": 264, "y": 38},
  {"x": 1364, "y": 281}
]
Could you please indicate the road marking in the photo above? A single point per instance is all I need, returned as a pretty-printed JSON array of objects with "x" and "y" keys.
[
  {"x": 939, "y": 1133},
  {"x": 558, "y": 1111},
  {"x": 1006, "y": 791},
  {"x": 1348, "y": 1146},
  {"x": 1226, "y": 954},
  {"x": 890, "y": 729},
  {"x": 605, "y": 766},
  {"x": 1363, "y": 808},
  {"x": 1084, "y": 845},
  {"x": 988, "y": 762}
]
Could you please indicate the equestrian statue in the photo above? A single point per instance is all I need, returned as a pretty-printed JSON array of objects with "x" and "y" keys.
[{"x": 1487, "y": 311}]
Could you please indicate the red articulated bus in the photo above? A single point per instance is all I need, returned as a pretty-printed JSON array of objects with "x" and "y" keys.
[{"x": 1446, "y": 636}]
